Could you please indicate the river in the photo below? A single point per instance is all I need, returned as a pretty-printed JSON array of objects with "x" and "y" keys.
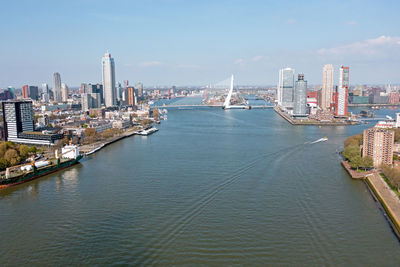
[{"x": 212, "y": 187}]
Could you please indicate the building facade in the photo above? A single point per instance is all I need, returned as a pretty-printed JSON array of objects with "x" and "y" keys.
[
  {"x": 286, "y": 87},
  {"x": 64, "y": 92},
  {"x": 108, "y": 74},
  {"x": 378, "y": 144},
  {"x": 57, "y": 87},
  {"x": 327, "y": 87},
  {"x": 45, "y": 93},
  {"x": 342, "y": 92},
  {"x": 300, "y": 97}
]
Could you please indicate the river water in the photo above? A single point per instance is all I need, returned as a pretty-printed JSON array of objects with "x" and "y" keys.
[{"x": 212, "y": 187}]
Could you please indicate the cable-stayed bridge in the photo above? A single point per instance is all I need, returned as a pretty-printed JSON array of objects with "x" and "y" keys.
[{"x": 221, "y": 95}]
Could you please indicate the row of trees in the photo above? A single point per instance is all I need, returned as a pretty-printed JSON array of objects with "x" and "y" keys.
[
  {"x": 92, "y": 136},
  {"x": 352, "y": 153},
  {"x": 12, "y": 154},
  {"x": 393, "y": 175}
]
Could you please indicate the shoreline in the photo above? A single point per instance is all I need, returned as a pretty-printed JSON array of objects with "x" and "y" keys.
[
  {"x": 388, "y": 201},
  {"x": 309, "y": 123},
  {"x": 100, "y": 145}
]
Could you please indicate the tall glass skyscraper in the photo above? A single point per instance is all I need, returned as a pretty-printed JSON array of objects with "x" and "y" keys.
[
  {"x": 285, "y": 87},
  {"x": 108, "y": 71},
  {"x": 300, "y": 97},
  {"x": 343, "y": 91},
  {"x": 57, "y": 87},
  {"x": 327, "y": 87}
]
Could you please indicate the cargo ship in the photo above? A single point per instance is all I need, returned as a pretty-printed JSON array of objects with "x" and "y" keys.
[{"x": 27, "y": 172}]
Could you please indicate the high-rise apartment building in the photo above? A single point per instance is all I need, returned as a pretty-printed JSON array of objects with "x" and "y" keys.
[
  {"x": 286, "y": 87},
  {"x": 378, "y": 144},
  {"x": 327, "y": 87},
  {"x": 300, "y": 97},
  {"x": 64, "y": 92},
  {"x": 108, "y": 74},
  {"x": 33, "y": 92},
  {"x": 342, "y": 92},
  {"x": 57, "y": 87},
  {"x": 45, "y": 93}
]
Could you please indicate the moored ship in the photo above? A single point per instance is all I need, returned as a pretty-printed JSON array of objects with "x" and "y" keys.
[{"x": 27, "y": 172}]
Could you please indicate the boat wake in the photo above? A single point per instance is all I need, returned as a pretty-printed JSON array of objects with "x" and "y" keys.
[{"x": 323, "y": 139}]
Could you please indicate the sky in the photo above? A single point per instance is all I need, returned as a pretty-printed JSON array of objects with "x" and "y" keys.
[{"x": 176, "y": 42}]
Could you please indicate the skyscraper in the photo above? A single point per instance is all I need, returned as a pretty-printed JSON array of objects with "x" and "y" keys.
[
  {"x": 378, "y": 144},
  {"x": 327, "y": 87},
  {"x": 64, "y": 92},
  {"x": 18, "y": 118},
  {"x": 57, "y": 87},
  {"x": 45, "y": 93},
  {"x": 25, "y": 92},
  {"x": 139, "y": 87},
  {"x": 108, "y": 72},
  {"x": 300, "y": 97},
  {"x": 286, "y": 87},
  {"x": 342, "y": 92}
]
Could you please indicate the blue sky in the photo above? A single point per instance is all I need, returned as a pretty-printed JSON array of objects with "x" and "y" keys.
[{"x": 198, "y": 42}]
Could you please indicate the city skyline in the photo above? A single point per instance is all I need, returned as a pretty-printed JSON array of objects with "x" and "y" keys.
[{"x": 173, "y": 42}]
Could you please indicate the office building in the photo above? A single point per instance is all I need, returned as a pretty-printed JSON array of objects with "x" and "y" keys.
[
  {"x": 327, "y": 87},
  {"x": 108, "y": 74},
  {"x": 12, "y": 91},
  {"x": 300, "y": 97},
  {"x": 19, "y": 125},
  {"x": 286, "y": 88},
  {"x": 33, "y": 93},
  {"x": 342, "y": 92},
  {"x": 378, "y": 144},
  {"x": 64, "y": 92},
  {"x": 57, "y": 87}
]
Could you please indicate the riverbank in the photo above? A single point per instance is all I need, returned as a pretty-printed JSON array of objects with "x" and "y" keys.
[
  {"x": 387, "y": 198},
  {"x": 101, "y": 144},
  {"x": 381, "y": 192},
  {"x": 292, "y": 121}
]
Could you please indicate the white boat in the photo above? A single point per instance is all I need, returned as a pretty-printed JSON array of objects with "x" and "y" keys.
[{"x": 148, "y": 131}]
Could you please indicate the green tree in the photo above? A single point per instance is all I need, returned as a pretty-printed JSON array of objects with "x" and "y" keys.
[
  {"x": 367, "y": 162},
  {"x": 33, "y": 149},
  {"x": 3, "y": 163},
  {"x": 356, "y": 162},
  {"x": 395, "y": 157},
  {"x": 3, "y": 149},
  {"x": 350, "y": 152},
  {"x": 12, "y": 157},
  {"x": 23, "y": 151}
]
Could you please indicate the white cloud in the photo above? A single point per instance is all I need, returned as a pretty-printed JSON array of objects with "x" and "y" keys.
[
  {"x": 150, "y": 63},
  {"x": 380, "y": 46},
  {"x": 257, "y": 58},
  {"x": 239, "y": 61}
]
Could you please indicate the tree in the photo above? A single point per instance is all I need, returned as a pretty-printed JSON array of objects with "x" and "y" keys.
[
  {"x": 33, "y": 149},
  {"x": 351, "y": 152},
  {"x": 367, "y": 162},
  {"x": 90, "y": 132},
  {"x": 3, "y": 163},
  {"x": 356, "y": 162},
  {"x": 395, "y": 157},
  {"x": 156, "y": 114},
  {"x": 3, "y": 149},
  {"x": 23, "y": 151},
  {"x": 12, "y": 157}
]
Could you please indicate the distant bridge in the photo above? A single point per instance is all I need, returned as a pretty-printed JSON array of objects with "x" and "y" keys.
[{"x": 211, "y": 106}]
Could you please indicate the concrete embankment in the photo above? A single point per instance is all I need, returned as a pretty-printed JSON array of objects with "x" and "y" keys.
[
  {"x": 87, "y": 148},
  {"x": 381, "y": 191},
  {"x": 388, "y": 199}
]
